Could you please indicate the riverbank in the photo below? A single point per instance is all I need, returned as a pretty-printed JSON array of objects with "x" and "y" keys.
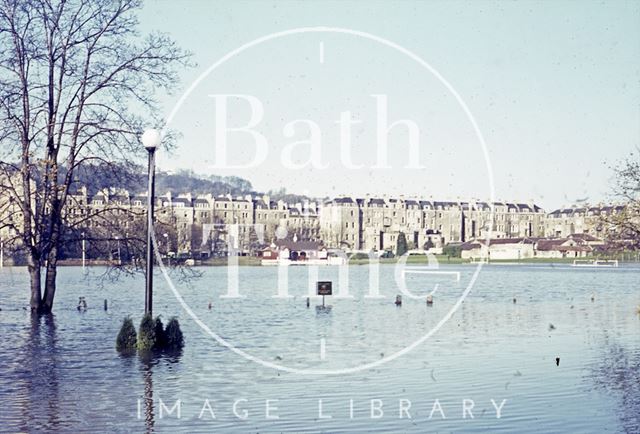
[
  {"x": 253, "y": 261},
  {"x": 444, "y": 259}
]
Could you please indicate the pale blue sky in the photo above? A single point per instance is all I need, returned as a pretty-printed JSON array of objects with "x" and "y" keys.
[{"x": 554, "y": 86}]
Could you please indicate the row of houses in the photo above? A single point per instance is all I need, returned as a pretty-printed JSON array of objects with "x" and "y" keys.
[
  {"x": 579, "y": 220},
  {"x": 375, "y": 223},
  {"x": 206, "y": 223}
]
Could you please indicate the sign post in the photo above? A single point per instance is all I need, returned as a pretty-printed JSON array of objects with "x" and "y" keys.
[{"x": 324, "y": 288}]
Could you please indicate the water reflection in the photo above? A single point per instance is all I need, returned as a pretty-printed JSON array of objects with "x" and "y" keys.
[
  {"x": 618, "y": 374},
  {"x": 147, "y": 374},
  {"x": 148, "y": 361},
  {"x": 39, "y": 389}
]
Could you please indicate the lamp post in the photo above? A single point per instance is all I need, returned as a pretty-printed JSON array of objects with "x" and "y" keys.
[
  {"x": 1, "y": 254},
  {"x": 83, "y": 251},
  {"x": 151, "y": 140}
]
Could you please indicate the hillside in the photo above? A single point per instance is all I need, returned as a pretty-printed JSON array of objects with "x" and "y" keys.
[{"x": 133, "y": 178}]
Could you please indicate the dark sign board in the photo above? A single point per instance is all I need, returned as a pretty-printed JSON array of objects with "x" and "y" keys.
[{"x": 324, "y": 288}]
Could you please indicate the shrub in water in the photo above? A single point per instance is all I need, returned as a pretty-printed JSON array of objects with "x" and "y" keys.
[
  {"x": 147, "y": 333},
  {"x": 173, "y": 335},
  {"x": 161, "y": 340},
  {"x": 127, "y": 338}
]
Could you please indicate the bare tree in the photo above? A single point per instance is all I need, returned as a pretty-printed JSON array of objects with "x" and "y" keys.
[
  {"x": 77, "y": 85},
  {"x": 622, "y": 223}
]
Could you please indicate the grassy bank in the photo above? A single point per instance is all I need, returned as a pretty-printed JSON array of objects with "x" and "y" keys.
[
  {"x": 413, "y": 260},
  {"x": 242, "y": 260},
  {"x": 443, "y": 259}
]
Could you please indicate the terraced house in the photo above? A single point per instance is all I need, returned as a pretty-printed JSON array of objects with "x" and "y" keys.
[
  {"x": 587, "y": 219},
  {"x": 375, "y": 223},
  {"x": 205, "y": 225}
]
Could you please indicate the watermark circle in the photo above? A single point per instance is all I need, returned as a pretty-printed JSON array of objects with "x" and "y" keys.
[{"x": 487, "y": 161}]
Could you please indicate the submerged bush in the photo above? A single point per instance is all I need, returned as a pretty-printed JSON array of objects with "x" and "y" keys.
[
  {"x": 127, "y": 338},
  {"x": 161, "y": 340},
  {"x": 173, "y": 335},
  {"x": 147, "y": 333}
]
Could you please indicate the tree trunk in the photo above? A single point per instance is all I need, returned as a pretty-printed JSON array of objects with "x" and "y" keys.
[
  {"x": 50, "y": 281},
  {"x": 33, "y": 266}
]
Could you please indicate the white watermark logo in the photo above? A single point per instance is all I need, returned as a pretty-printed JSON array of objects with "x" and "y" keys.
[
  {"x": 324, "y": 409},
  {"x": 312, "y": 143},
  {"x": 302, "y": 141}
]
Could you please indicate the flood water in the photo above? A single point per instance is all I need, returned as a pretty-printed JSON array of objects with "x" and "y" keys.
[{"x": 61, "y": 373}]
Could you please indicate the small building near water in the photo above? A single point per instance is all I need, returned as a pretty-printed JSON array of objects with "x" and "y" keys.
[
  {"x": 574, "y": 246},
  {"x": 499, "y": 249},
  {"x": 571, "y": 247},
  {"x": 294, "y": 252}
]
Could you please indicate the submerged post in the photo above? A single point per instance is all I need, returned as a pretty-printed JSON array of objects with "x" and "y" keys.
[{"x": 150, "y": 139}]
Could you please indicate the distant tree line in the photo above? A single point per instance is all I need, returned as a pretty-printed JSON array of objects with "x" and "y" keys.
[{"x": 133, "y": 177}]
